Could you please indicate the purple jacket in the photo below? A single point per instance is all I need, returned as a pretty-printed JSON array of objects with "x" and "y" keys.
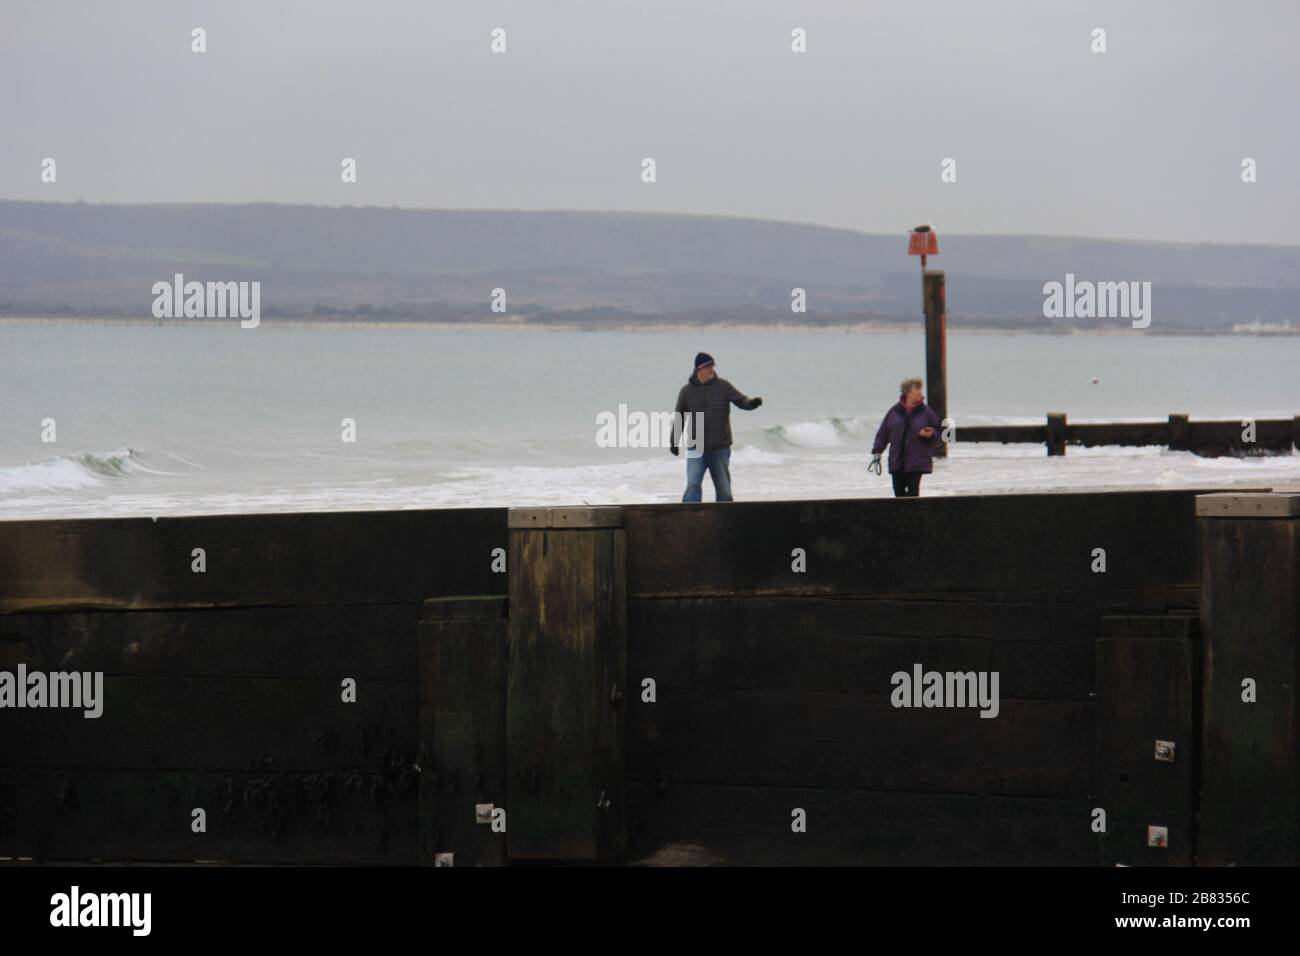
[{"x": 908, "y": 451}]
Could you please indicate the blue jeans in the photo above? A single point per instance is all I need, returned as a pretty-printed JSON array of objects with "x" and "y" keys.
[{"x": 716, "y": 463}]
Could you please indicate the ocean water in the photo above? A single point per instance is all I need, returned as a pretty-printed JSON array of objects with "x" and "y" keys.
[{"x": 200, "y": 419}]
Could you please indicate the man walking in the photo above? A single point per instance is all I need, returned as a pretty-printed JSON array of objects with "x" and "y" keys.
[
  {"x": 909, "y": 429},
  {"x": 707, "y": 395}
]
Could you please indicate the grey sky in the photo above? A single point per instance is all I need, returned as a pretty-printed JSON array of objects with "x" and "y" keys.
[{"x": 1144, "y": 141}]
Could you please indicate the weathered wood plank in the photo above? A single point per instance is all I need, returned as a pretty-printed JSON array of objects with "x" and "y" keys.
[
  {"x": 565, "y": 706},
  {"x": 1135, "y": 600},
  {"x": 392, "y": 557},
  {"x": 331, "y": 817},
  {"x": 842, "y": 646},
  {"x": 684, "y": 824},
  {"x": 1009, "y": 543},
  {"x": 1004, "y": 434},
  {"x": 1250, "y": 622},
  {"x": 860, "y": 741},
  {"x": 1147, "y": 689},
  {"x": 1091, "y": 435},
  {"x": 1209, "y": 439},
  {"x": 462, "y": 728},
  {"x": 368, "y": 642},
  {"x": 1212, "y": 439},
  {"x": 281, "y": 724},
  {"x": 1011, "y": 617}
]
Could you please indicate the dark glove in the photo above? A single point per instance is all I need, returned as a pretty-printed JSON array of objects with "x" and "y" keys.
[
  {"x": 875, "y": 464},
  {"x": 673, "y": 449},
  {"x": 755, "y": 403}
]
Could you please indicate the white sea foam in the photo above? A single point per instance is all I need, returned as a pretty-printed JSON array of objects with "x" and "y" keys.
[
  {"x": 819, "y": 434},
  {"x": 56, "y": 474},
  {"x": 73, "y": 472},
  {"x": 120, "y": 483},
  {"x": 750, "y": 455}
]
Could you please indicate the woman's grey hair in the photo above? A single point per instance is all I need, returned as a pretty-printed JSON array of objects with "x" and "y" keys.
[{"x": 908, "y": 384}]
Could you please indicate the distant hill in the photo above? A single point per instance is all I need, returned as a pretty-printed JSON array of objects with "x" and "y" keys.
[{"x": 594, "y": 268}]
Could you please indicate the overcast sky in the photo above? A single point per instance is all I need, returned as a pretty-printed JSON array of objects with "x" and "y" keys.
[{"x": 1144, "y": 141}]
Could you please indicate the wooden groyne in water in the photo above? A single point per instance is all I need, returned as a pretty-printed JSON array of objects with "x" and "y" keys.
[
  {"x": 663, "y": 683},
  {"x": 1209, "y": 439}
]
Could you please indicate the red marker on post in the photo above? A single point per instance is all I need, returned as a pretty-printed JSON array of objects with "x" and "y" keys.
[{"x": 924, "y": 241}]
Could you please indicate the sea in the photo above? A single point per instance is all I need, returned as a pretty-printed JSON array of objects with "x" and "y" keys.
[{"x": 108, "y": 419}]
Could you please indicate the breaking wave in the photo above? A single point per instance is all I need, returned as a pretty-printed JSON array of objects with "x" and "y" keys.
[
  {"x": 70, "y": 472},
  {"x": 824, "y": 433}
]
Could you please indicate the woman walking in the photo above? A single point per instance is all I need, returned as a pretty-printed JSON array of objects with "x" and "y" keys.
[{"x": 910, "y": 430}]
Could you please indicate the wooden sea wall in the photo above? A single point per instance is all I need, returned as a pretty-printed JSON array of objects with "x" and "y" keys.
[
  {"x": 773, "y": 684},
  {"x": 664, "y": 684},
  {"x": 224, "y": 688}
]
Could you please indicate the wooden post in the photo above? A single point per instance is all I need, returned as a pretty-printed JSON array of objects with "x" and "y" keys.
[
  {"x": 1146, "y": 739},
  {"x": 1179, "y": 433},
  {"x": 1250, "y": 620},
  {"x": 462, "y": 756},
  {"x": 1056, "y": 433},
  {"x": 566, "y": 684},
  {"x": 936, "y": 347}
]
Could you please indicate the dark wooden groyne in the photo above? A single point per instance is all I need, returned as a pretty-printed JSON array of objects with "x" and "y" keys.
[
  {"x": 769, "y": 631},
  {"x": 223, "y": 688},
  {"x": 1209, "y": 439}
]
